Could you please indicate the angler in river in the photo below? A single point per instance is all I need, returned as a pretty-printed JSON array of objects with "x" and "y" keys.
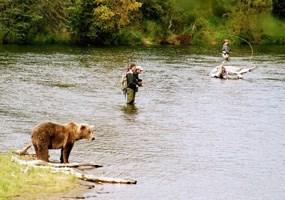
[{"x": 133, "y": 82}]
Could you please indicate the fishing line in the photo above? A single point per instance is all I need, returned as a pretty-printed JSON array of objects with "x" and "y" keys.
[{"x": 247, "y": 43}]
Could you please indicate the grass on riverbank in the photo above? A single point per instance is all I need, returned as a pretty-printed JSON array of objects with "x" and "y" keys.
[{"x": 14, "y": 182}]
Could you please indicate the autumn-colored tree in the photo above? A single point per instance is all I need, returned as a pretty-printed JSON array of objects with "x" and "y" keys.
[
  {"x": 96, "y": 21},
  {"x": 112, "y": 15}
]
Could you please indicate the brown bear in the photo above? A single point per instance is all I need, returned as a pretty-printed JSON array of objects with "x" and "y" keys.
[{"x": 49, "y": 135}]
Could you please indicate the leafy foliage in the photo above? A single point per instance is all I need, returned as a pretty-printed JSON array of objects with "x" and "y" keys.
[
  {"x": 23, "y": 21},
  {"x": 141, "y": 21},
  {"x": 112, "y": 15},
  {"x": 246, "y": 14},
  {"x": 19, "y": 20},
  {"x": 80, "y": 21}
]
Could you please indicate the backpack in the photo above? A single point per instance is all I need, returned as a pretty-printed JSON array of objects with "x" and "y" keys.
[{"x": 124, "y": 82}]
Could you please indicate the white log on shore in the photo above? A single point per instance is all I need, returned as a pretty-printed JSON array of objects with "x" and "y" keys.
[
  {"x": 24, "y": 151},
  {"x": 67, "y": 169},
  {"x": 43, "y": 163},
  {"x": 92, "y": 178}
]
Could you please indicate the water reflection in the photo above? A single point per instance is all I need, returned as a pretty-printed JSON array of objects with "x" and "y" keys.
[{"x": 130, "y": 109}]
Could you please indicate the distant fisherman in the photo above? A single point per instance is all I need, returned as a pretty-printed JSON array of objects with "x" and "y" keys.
[{"x": 226, "y": 50}]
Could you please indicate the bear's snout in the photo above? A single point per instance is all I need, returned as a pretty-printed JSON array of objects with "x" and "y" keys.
[{"x": 91, "y": 138}]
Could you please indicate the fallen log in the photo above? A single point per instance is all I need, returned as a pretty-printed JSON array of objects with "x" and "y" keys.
[
  {"x": 24, "y": 151},
  {"x": 43, "y": 163},
  {"x": 92, "y": 178},
  {"x": 227, "y": 72},
  {"x": 66, "y": 168}
]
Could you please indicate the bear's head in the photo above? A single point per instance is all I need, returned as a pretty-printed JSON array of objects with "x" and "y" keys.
[{"x": 86, "y": 132}]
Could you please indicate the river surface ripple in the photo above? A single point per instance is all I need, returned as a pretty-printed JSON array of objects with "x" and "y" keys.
[{"x": 187, "y": 137}]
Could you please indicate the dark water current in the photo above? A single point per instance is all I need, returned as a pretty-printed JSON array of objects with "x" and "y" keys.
[{"x": 187, "y": 137}]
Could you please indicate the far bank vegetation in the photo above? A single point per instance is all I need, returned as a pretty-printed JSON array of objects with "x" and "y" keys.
[{"x": 108, "y": 22}]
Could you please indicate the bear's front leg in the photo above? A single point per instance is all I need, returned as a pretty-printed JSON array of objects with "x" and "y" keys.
[
  {"x": 65, "y": 152},
  {"x": 42, "y": 153}
]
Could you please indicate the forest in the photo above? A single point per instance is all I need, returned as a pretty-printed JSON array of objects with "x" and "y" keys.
[{"x": 117, "y": 22}]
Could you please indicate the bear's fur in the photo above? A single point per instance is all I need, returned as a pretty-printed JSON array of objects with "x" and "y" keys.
[{"x": 49, "y": 135}]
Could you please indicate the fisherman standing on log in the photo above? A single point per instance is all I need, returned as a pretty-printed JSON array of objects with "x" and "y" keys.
[{"x": 226, "y": 50}]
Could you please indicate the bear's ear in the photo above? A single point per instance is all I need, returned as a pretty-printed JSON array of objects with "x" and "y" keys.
[{"x": 83, "y": 127}]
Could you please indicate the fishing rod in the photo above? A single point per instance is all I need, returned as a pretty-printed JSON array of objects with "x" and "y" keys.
[{"x": 130, "y": 59}]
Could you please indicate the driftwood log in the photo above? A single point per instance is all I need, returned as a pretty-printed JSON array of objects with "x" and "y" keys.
[
  {"x": 227, "y": 72},
  {"x": 24, "y": 151},
  {"x": 67, "y": 168},
  {"x": 49, "y": 164},
  {"x": 92, "y": 178}
]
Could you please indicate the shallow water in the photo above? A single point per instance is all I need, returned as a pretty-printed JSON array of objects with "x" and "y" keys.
[{"x": 187, "y": 137}]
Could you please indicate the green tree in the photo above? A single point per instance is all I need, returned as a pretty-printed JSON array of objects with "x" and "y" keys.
[
  {"x": 245, "y": 15},
  {"x": 156, "y": 20},
  {"x": 54, "y": 19},
  {"x": 156, "y": 10},
  {"x": 80, "y": 21},
  {"x": 98, "y": 21},
  {"x": 26, "y": 21},
  {"x": 19, "y": 20}
]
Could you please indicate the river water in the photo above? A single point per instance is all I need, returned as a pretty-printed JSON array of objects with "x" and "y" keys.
[{"x": 187, "y": 137}]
